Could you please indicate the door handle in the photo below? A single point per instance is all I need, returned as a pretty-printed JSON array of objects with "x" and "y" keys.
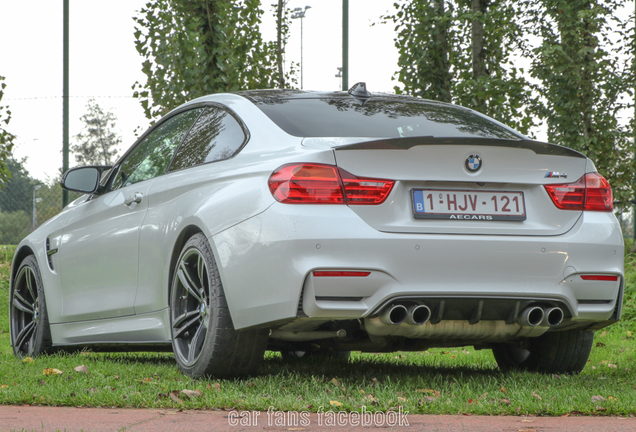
[{"x": 134, "y": 198}]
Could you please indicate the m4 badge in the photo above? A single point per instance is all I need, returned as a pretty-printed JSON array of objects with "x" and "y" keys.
[{"x": 555, "y": 174}]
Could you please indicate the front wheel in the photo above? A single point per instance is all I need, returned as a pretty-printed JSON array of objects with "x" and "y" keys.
[
  {"x": 30, "y": 331},
  {"x": 203, "y": 336},
  {"x": 554, "y": 352}
]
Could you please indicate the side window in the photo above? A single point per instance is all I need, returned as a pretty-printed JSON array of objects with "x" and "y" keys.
[
  {"x": 215, "y": 136},
  {"x": 151, "y": 157}
]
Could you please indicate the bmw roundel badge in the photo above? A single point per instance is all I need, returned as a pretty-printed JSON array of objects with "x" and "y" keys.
[{"x": 473, "y": 163}]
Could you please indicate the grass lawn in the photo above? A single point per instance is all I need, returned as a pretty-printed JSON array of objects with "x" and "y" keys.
[{"x": 449, "y": 381}]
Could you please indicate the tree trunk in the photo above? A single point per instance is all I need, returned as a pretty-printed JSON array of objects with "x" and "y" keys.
[
  {"x": 441, "y": 41},
  {"x": 479, "y": 8},
  {"x": 279, "y": 43}
]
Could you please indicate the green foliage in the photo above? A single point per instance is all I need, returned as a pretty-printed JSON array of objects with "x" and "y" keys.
[
  {"x": 427, "y": 43},
  {"x": 17, "y": 189},
  {"x": 440, "y": 381},
  {"x": 582, "y": 83},
  {"x": 283, "y": 20},
  {"x": 197, "y": 47},
  {"x": 488, "y": 79},
  {"x": 629, "y": 298},
  {"x": 16, "y": 203},
  {"x": 6, "y": 139},
  {"x": 438, "y": 54},
  {"x": 96, "y": 144},
  {"x": 14, "y": 226}
]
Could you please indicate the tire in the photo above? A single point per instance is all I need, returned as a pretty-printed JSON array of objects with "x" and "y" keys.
[
  {"x": 28, "y": 317},
  {"x": 555, "y": 352},
  {"x": 203, "y": 336}
]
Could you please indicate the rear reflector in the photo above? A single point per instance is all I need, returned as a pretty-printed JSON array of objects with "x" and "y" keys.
[
  {"x": 599, "y": 277},
  {"x": 341, "y": 274},
  {"x": 590, "y": 192},
  {"x": 308, "y": 183}
]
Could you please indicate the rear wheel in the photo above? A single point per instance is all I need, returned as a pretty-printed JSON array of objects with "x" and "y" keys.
[
  {"x": 554, "y": 352},
  {"x": 203, "y": 336},
  {"x": 30, "y": 331}
]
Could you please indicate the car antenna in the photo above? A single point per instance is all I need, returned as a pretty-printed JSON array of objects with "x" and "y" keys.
[{"x": 359, "y": 90}]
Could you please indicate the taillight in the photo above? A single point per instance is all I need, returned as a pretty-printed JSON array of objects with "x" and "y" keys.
[
  {"x": 364, "y": 190},
  {"x": 590, "y": 192},
  {"x": 308, "y": 183}
]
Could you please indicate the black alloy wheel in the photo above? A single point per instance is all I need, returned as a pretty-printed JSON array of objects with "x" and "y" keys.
[
  {"x": 30, "y": 331},
  {"x": 203, "y": 336}
]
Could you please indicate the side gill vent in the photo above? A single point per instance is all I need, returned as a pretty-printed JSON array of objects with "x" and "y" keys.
[{"x": 49, "y": 253}]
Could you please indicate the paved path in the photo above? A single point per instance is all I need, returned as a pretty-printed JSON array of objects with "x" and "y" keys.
[{"x": 51, "y": 419}]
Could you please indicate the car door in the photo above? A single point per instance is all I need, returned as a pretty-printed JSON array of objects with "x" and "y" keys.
[{"x": 99, "y": 250}]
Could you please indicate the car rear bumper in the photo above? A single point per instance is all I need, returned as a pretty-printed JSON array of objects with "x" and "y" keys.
[{"x": 267, "y": 266}]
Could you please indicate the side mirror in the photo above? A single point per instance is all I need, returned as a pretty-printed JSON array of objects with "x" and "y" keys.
[{"x": 83, "y": 179}]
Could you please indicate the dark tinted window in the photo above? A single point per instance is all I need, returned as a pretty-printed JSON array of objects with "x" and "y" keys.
[
  {"x": 378, "y": 118},
  {"x": 215, "y": 136},
  {"x": 150, "y": 158}
]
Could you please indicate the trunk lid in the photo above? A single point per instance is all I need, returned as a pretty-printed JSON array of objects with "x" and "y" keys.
[{"x": 483, "y": 175}]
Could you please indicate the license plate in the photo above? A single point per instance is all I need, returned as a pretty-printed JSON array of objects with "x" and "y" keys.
[{"x": 468, "y": 205}]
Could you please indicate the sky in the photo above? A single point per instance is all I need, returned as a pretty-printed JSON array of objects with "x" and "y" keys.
[{"x": 104, "y": 64}]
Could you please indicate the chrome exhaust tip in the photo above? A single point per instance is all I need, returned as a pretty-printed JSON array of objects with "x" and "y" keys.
[
  {"x": 418, "y": 315},
  {"x": 552, "y": 317},
  {"x": 532, "y": 316},
  {"x": 394, "y": 315}
]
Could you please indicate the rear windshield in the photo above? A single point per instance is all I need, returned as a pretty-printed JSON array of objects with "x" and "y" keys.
[{"x": 381, "y": 118}]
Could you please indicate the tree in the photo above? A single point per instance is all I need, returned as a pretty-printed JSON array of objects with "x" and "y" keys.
[
  {"x": 6, "y": 138},
  {"x": 197, "y": 47},
  {"x": 281, "y": 31},
  {"x": 488, "y": 80},
  {"x": 583, "y": 84},
  {"x": 462, "y": 51},
  {"x": 281, "y": 12},
  {"x": 97, "y": 143},
  {"x": 426, "y": 43},
  {"x": 18, "y": 188},
  {"x": 16, "y": 204}
]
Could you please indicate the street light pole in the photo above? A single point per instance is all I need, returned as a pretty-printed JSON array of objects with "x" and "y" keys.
[
  {"x": 35, "y": 201},
  {"x": 65, "y": 100},
  {"x": 345, "y": 45},
  {"x": 300, "y": 13}
]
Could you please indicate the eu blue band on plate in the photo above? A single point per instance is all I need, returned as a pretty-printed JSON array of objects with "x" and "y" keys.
[{"x": 418, "y": 200}]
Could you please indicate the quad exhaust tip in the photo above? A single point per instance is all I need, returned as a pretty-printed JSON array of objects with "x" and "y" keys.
[
  {"x": 397, "y": 314},
  {"x": 532, "y": 316},
  {"x": 394, "y": 315},
  {"x": 418, "y": 315},
  {"x": 552, "y": 317},
  {"x": 536, "y": 316}
]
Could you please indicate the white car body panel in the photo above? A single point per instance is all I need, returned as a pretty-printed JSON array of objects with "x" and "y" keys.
[
  {"x": 101, "y": 282},
  {"x": 328, "y": 238},
  {"x": 266, "y": 251}
]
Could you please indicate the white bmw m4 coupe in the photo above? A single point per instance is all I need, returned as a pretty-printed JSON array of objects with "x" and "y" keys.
[{"x": 316, "y": 224}]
